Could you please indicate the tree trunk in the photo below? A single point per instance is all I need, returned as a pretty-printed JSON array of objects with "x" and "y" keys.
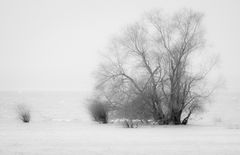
[
  {"x": 175, "y": 118},
  {"x": 185, "y": 120},
  {"x": 158, "y": 115}
]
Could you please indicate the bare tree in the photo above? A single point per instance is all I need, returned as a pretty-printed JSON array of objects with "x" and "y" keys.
[
  {"x": 151, "y": 59},
  {"x": 133, "y": 70},
  {"x": 178, "y": 37}
]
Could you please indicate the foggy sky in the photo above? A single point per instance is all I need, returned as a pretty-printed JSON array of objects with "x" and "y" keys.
[{"x": 55, "y": 44}]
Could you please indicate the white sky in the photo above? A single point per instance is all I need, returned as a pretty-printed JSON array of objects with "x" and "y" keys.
[{"x": 54, "y": 44}]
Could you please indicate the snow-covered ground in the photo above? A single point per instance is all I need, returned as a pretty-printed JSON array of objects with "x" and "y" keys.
[
  {"x": 60, "y": 125},
  {"x": 79, "y": 138}
]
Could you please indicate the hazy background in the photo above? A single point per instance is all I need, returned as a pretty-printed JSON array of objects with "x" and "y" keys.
[{"x": 54, "y": 44}]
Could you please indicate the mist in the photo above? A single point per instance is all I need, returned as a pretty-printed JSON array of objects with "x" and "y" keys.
[{"x": 54, "y": 45}]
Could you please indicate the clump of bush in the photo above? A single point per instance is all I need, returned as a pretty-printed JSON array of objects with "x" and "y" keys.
[
  {"x": 98, "y": 111},
  {"x": 130, "y": 124},
  {"x": 24, "y": 113}
]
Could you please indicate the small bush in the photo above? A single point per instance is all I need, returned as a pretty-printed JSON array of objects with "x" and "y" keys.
[
  {"x": 130, "y": 124},
  {"x": 24, "y": 113},
  {"x": 99, "y": 112}
]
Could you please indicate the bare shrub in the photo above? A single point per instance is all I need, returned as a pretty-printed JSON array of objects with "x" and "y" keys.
[
  {"x": 24, "y": 113},
  {"x": 98, "y": 111},
  {"x": 130, "y": 124}
]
